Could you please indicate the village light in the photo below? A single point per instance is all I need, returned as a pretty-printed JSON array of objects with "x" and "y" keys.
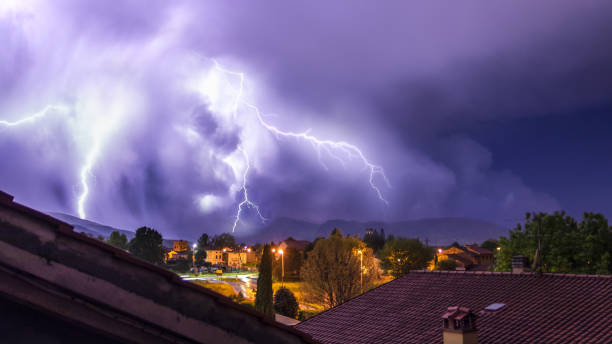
[
  {"x": 360, "y": 269},
  {"x": 439, "y": 250},
  {"x": 248, "y": 250},
  {"x": 280, "y": 251},
  {"x": 273, "y": 250},
  {"x": 195, "y": 246}
]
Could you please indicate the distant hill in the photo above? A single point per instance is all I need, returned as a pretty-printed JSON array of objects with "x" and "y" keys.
[
  {"x": 439, "y": 231},
  {"x": 95, "y": 229},
  {"x": 436, "y": 230}
]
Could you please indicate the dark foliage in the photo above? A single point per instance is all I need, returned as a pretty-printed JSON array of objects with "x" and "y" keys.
[
  {"x": 446, "y": 264},
  {"x": 222, "y": 241},
  {"x": 557, "y": 243},
  {"x": 285, "y": 303},
  {"x": 200, "y": 253},
  {"x": 118, "y": 240},
  {"x": 147, "y": 245},
  {"x": 374, "y": 240},
  {"x": 263, "y": 297},
  {"x": 400, "y": 255}
]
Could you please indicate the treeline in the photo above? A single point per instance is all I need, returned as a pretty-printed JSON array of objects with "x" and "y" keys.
[{"x": 558, "y": 243}]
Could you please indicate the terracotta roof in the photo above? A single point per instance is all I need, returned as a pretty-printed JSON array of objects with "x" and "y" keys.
[
  {"x": 552, "y": 308},
  {"x": 478, "y": 249},
  {"x": 461, "y": 257},
  {"x": 64, "y": 229}
]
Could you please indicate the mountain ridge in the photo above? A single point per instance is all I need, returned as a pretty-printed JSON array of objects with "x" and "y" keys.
[{"x": 436, "y": 231}]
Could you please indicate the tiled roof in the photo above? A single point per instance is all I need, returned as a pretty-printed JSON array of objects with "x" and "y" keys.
[
  {"x": 552, "y": 308},
  {"x": 65, "y": 231},
  {"x": 461, "y": 257},
  {"x": 478, "y": 249}
]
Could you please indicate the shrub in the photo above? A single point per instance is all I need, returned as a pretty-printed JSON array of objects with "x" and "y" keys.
[
  {"x": 446, "y": 264},
  {"x": 285, "y": 303}
]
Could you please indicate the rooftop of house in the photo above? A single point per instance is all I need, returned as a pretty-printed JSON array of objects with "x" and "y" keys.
[
  {"x": 47, "y": 268},
  {"x": 510, "y": 308},
  {"x": 477, "y": 249}
]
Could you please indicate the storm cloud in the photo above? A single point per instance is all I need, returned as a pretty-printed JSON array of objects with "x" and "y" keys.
[{"x": 406, "y": 83}]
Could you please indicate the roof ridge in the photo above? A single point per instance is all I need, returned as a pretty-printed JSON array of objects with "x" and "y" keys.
[
  {"x": 507, "y": 273},
  {"x": 66, "y": 229}
]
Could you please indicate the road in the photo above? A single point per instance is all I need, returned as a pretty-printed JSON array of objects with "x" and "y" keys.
[{"x": 246, "y": 284}]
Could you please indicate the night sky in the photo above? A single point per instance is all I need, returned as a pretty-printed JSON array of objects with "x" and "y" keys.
[{"x": 470, "y": 109}]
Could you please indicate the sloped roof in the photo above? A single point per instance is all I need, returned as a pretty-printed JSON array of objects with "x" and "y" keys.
[
  {"x": 478, "y": 249},
  {"x": 462, "y": 257},
  {"x": 552, "y": 308},
  {"x": 27, "y": 235}
]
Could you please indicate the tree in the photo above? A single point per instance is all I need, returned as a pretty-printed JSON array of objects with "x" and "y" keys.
[
  {"x": 285, "y": 303},
  {"x": 446, "y": 264},
  {"x": 331, "y": 271},
  {"x": 223, "y": 240},
  {"x": 118, "y": 240},
  {"x": 400, "y": 255},
  {"x": 147, "y": 245},
  {"x": 200, "y": 253},
  {"x": 263, "y": 296},
  {"x": 455, "y": 244},
  {"x": 293, "y": 261},
  {"x": 490, "y": 244},
  {"x": 557, "y": 243},
  {"x": 374, "y": 240}
]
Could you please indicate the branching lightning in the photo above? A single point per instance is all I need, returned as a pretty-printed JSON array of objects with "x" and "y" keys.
[
  {"x": 335, "y": 149},
  {"x": 245, "y": 194},
  {"x": 90, "y": 159},
  {"x": 33, "y": 118},
  {"x": 340, "y": 151}
]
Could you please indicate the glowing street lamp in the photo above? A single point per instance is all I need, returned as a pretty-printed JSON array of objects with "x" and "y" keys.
[
  {"x": 280, "y": 251},
  {"x": 360, "y": 269},
  {"x": 193, "y": 255}
]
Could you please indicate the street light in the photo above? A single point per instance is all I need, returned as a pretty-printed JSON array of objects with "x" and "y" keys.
[
  {"x": 360, "y": 269},
  {"x": 280, "y": 251},
  {"x": 194, "y": 249}
]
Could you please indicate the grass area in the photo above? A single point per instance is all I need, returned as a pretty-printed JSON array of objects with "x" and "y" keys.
[
  {"x": 221, "y": 288},
  {"x": 226, "y": 274},
  {"x": 229, "y": 278},
  {"x": 297, "y": 288}
]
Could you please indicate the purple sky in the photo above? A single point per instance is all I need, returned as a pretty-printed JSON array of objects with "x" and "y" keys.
[{"x": 479, "y": 109}]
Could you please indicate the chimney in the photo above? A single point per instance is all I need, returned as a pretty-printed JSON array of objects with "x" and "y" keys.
[
  {"x": 459, "y": 326},
  {"x": 520, "y": 264}
]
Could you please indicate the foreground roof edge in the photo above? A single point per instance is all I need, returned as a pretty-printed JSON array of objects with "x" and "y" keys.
[{"x": 66, "y": 229}]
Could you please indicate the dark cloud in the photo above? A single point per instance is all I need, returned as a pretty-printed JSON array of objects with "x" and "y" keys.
[{"x": 407, "y": 83}]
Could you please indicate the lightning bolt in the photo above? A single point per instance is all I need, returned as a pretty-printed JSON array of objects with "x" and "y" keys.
[
  {"x": 245, "y": 194},
  {"x": 335, "y": 149},
  {"x": 90, "y": 159},
  {"x": 33, "y": 118}
]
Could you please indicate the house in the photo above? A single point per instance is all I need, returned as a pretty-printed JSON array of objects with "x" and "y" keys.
[
  {"x": 214, "y": 257},
  {"x": 473, "y": 307},
  {"x": 235, "y": 259},
  {"x": 180, "y": 250},
  {"x": 59, "y": 286},
  {"x": 467, "y": 257}
]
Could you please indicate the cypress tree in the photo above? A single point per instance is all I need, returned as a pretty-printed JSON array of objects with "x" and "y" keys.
[{"x": 263, "y": 297}]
